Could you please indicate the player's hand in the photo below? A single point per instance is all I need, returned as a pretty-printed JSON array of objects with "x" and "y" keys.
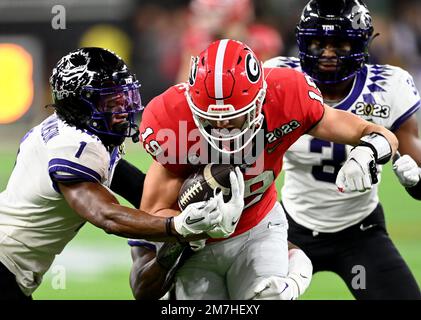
[
  {"x": 276, "y": 288},
  {"x": 407, "y": 171},
  {"x": 197, "y": 218},
  {"x": 231, "y": 211},
  {"x": 359, "y": 172},
  {"x": 300, "y": 272}
]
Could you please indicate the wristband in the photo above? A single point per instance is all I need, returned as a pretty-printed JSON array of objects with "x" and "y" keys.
[{"x": 379, "y": 145}]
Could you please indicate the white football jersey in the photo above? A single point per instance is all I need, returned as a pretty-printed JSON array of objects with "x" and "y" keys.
[
  {"x": 383, "y": 94},
  {"x": 35, "y": 220}
]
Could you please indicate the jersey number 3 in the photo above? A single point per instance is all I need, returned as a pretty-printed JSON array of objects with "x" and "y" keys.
[{"x": 329, "y": 168}]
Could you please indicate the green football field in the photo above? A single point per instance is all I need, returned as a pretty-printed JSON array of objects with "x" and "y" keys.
[{"x": 96, "y": 265}]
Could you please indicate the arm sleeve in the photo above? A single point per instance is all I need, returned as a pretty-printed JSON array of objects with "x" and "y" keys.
[{"x": 128, "y": 182}]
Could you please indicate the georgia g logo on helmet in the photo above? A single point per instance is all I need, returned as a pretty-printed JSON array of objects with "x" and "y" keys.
[{"x": 253, "y": 70}]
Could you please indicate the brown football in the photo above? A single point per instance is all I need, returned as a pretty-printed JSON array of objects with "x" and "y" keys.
[{"x": 200, "y": 186}]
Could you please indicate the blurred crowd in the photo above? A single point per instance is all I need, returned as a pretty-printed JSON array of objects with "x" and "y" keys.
[
  {"x": 157, "y": 37},
  {"x": 168, "y": 32}
]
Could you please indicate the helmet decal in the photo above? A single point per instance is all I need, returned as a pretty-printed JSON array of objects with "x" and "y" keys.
[
  {"x": 252, "y": 68},
  {"x": 193, "y": 70},
  {"x": 74, "y": 73}
]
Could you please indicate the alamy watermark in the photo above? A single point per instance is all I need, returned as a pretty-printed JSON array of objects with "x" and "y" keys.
[
  {"x": 58, "y": 280},
  {"x": 359, "y": 281},
  {"x": 58, "y": 22}
]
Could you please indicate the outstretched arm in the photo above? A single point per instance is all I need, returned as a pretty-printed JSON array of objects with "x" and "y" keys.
[
  {"x": 346, "y": 128},
  {"x": 374, "y": 145},
  {"x": 97, "y": 205}
]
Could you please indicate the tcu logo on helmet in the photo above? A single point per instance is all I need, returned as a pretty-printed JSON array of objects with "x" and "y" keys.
[
  {"x": 71, "y": 73},
  {"x": 252, "y": 68},
  {"x": 362, "y": 18}
]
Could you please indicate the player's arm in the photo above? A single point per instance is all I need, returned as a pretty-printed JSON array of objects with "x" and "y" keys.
[
  {"x": 374, "y": 144},
  {"x": 154, "y": 267},
  {"x": 96, "y": 204},
  {"x": 147, "y": 277},
  {"x": 346, "y": 128},
  {"x": 407, "y": 167},
  {"x": 128, "y": 182},
  {"x": 160, "y": 191}
]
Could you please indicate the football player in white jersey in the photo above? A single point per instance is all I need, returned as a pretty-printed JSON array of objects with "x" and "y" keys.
[
  {"x": 341, "y": 230},
  {"x": 67, "y": 162}
]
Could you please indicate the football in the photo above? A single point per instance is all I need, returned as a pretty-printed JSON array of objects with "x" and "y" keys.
[{"x": 200, "y": 185}]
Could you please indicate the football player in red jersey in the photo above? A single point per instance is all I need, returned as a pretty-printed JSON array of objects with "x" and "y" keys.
[{"x": 229, "y": 102}]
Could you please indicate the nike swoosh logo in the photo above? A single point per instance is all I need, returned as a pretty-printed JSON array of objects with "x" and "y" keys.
[
  {"x": 303, "y": 276},
  {"x": 271, "y": 149},
  {"x": 235, "y": 221},
  {"x": 286, "y": 286},
  {"x": 362, "y": 228},
  {"x": 192, "y": 221}
]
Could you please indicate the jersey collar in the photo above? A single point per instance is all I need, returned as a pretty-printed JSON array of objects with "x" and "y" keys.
[{"x": 355, "y": 92}]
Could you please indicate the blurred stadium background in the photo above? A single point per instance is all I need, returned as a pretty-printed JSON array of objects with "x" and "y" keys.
[{"x": 148, "y": 35}]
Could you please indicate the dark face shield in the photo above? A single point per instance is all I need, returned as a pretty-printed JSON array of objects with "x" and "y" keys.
[{"x": 114, "y": 110}]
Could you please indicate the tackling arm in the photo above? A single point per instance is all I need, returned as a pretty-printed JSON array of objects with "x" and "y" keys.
[
  {"x": 97, "y": 205},
  {"x": 346, "y": 128},
  {"x": 147, "y": 277}
]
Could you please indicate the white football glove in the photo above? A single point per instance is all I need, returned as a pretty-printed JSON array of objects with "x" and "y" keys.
[
  {"x": 355, "y": 174},
  {"x": 231, "y": 211},
  {"x": 197, "y": 218},
  {"x": 300, "y": 271},
  {"x": 407, "y": 171}
]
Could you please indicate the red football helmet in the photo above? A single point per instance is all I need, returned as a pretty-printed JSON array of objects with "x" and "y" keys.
[{"x": 226, "y": 82}]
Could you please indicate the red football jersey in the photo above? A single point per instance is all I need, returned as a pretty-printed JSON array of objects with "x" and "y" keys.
[{"x": 293, "y": 106}]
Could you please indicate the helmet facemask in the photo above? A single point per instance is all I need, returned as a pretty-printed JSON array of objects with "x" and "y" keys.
[
  {"x": 347, "y": 63},
  {"x": 229, "y": 140},
  {"x": 113, "y": 112},
  {"x": 337, "y": 21},
  {"x": 225, "y": 94}
]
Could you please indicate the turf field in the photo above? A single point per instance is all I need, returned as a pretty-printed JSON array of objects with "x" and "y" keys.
[{"x": 96, "y": 265}]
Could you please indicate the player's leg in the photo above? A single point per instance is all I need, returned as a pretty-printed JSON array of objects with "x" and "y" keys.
[
  {"x": 9, "y": 289},
  {"x": 317, "y": 249},
  {"x": 371, "y": 265},
  {"x": 263, "y": 254},
  {"x": 200, "y": 278}
]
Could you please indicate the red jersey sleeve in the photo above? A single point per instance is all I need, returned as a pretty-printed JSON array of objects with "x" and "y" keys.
[{"x": 310, "y": 101}]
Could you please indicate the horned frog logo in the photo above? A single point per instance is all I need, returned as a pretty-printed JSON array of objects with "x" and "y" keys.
[
  {"x": 71, "y": 73},
  {"x": 362, "y": 19}
]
